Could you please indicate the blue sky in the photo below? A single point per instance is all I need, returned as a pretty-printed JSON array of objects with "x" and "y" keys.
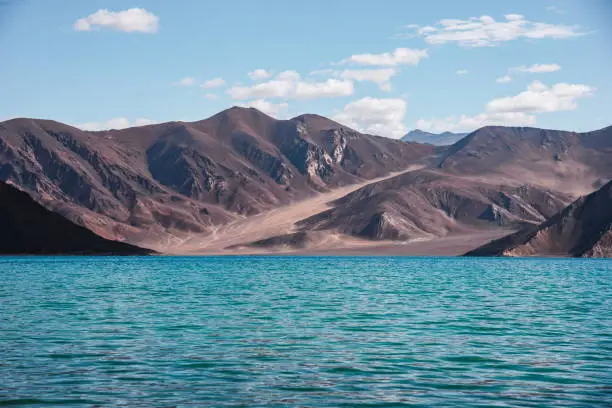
[{"x": 382, "y": 67}]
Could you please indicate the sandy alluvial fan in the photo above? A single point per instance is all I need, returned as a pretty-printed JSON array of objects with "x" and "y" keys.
[{"x": 188, "y": 185}]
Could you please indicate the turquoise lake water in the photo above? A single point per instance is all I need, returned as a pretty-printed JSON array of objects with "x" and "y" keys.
[{"x": 305, "y": 331}]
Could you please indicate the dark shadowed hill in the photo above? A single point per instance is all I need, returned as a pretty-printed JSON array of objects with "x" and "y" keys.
[
  {"x": 583, "y": 229},
  {"x": 140, "y": 183},
  {"x": 28, "y": 228}
]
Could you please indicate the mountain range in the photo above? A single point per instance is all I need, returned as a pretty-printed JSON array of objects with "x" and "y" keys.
[
  {"x": 436, "y": 139},
  {"x": 138, "y": 184},
  {"x": 242, "y": 182}
]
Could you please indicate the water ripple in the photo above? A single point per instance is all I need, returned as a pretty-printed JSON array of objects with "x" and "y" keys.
[{"x": 300, "y": 331}]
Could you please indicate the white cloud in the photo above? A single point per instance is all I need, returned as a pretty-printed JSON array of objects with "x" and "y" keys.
[
  {"x": 271, "y": 89},
  {"x": 187, "y": 81},
  {"x": 514, "y": 17},
  {"x": 210, "y": 96},
  {"x": 132, "y": 20},
  {"x": 485, "y": 31},
  {"x": 115, "y": 123},
  {"x": 538, "y": 68},
  {"x": 288, "y": 76},
  {"x": 144, "y": 122},
  {"x": 289, "y": 85},
  {"x": 276, "y": 110},
  {"x": 329, "y": 88},
  {"x": 375, "y": 116},
  {"x": 541, "y": 98},
  {"x": 385, "y": 86},
  {"x": 533, "y": 69},
  {"x": 213, "y": 83},
  {"x": 518, "y": 110},
  {"x": 462, "y": 72},
  {"x": 401, "y": 56},
  {"x": 259, "y": 74},
  {"x": 380, "y": 76},
  {"x": 464, "y": 123}
]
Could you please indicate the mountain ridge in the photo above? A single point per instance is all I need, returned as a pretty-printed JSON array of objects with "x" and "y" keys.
[
  {"x": 158, "y": 184},
  {"x": 436, "y": 139}
]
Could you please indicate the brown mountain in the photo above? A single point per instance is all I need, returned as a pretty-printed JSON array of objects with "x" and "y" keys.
[
  {"x": 583, "y": 229},
  {"x": 496, "y": 177},
  {"x": 575, "y": 163},
  {"x": 28, "y": 228},
  {"x": 201, "y": 184},
  {"x": 148, "y": 184}
]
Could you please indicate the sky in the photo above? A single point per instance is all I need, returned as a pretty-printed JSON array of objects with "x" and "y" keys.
[{"x": 382, "y": 67}]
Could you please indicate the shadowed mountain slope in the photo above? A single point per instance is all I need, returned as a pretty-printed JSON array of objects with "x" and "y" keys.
[
  {"x": 28, "y": 228},
  {"x": 583, "y": 229}
]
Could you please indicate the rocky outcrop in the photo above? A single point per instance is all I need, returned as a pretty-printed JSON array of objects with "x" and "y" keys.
[
  {"x": 335, "y": 142},
  {"x": 28, "y": 228},
  {"x": 310, "y": 159},
  {"x": 274, "y": 166},
  {"x": 382, "y": 227},
  {"x": 583, "y": 229}
]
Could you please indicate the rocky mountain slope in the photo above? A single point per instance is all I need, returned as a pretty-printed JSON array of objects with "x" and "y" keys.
[
  {"x": 149, "y": 183},
  {"x": 583, "y": 229},
  {"x": 436, "y": 139},
  {"x": 430, "y": 203},
  {"x": 575, "y": 163},
  {"x": 178, "y": 183},
  {"x": 28, "y": 228},
  {"x": 494, "y": 177}
]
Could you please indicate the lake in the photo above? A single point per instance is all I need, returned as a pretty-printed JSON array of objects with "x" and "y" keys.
[{"x": 305, "y": 331}]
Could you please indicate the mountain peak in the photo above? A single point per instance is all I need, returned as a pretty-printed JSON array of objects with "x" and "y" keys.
[
  {"x": 238, "y": 116},
  {"x": 242, "y": 110},
  {"x": 317, "y": 122}
]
